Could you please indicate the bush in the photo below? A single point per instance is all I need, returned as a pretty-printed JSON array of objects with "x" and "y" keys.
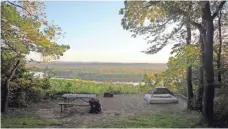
[
  {"x": 83, "y": 86},
  {"x": 221, "y": 107},
  {"x": 25, "y": 91},
  {"x": 17, "y": 95}
]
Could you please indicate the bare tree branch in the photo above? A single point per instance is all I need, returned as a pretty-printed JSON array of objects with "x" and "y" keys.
[
  {"x": 151, "y": 3},
  {"x": 14, "y": 69},
  {"x": 19, "y": 7},
  {"x": 218, "y": 9},
  {"x": 197, "y": 25}
]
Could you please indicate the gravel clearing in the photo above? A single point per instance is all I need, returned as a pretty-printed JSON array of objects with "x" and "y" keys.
[{"x": 119, "y": 106}]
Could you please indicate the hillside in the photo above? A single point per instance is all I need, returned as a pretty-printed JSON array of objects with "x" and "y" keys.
[
  {"x": 101, "y": 71},
  {"x": 60, "y": 64}
]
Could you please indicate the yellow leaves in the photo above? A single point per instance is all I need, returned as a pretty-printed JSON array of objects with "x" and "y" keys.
[
  {"x": 160, "y": 11},
  {"x": 137, "y": 12},
  {"x": 43, "y": 42},
  {"x": 190, "y": 50},
  {"x": 9, "y": 14},
  {"x": 214, "y": 54},
  {"x": 172, "y": 85},
  {"x": 50, "y": 32},
  {"x": 37, "y": 25},
  {"x": 26, "y": 30},
  {"x": 33, "y": 8},
  {"x": 154, "y": 13}
]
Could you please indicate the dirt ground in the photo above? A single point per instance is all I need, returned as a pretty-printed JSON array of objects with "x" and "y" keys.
[{"x": 112, "y": 108}]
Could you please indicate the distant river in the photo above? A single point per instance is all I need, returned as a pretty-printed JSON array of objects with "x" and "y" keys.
[
  {"x": 134, "y": 83},
  {"x": 40, "y": 74}
]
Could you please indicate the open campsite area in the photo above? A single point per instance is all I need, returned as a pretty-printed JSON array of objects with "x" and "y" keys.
[{"x": 123, "y": 110}]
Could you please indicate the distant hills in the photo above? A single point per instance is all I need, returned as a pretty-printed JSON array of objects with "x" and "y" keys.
[
  {"x": 101, "y": 71},
  {"x": 55, "y": 64}
]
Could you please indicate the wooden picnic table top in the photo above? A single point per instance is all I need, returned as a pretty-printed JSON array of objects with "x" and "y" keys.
[{"x": 74, "y": 96}]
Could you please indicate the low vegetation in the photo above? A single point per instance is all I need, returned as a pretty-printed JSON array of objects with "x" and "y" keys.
[
  {"x": 26, "y": 122},
  {"x": 83, "y": 86},
  {"x": 28, "y": 118},
  {"x": 162, "y": 120},
  {"x": 24, "y": 118}
]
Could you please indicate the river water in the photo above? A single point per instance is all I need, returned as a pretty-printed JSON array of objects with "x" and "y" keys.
[{"x": 40, "y": 74}]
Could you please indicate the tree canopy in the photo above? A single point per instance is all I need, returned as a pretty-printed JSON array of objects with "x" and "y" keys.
[
  {"x": 162, "y": 22},
  {"x": 25, "y": 29}
]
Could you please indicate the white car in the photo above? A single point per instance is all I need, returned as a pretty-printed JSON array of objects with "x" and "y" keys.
[{"x": 160, "y": 95}]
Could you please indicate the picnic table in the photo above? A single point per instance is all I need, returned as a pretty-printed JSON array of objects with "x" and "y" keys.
[{"x": 68, "y": 98}]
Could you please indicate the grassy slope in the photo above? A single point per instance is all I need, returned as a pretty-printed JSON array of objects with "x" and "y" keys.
[
  {"x": 25, "y": 122},
  {"x": 24, "y": 118},
  {"x": 184, "y": 119}
]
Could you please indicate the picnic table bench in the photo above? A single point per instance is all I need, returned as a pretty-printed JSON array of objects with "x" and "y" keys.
[{"x": 71, "y": 97}]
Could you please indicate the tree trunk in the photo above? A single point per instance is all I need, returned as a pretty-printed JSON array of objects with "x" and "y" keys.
[
  {"x": 208, "y": 96},
  {"x": 199, "y": 96},
  {"x": 189, "y": 86},
  {"x": 220, "y": 49},
  {"x": 189, "y": 71},
  {"x": 5, "y": 88},
  {"x": 5, "y": 94}
]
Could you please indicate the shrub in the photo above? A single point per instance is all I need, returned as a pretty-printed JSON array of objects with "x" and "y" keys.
[
  {"x": 83, "y": 86},
  {"x": 221, "y": 106},
  {"x": 25, "y": 91}
]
